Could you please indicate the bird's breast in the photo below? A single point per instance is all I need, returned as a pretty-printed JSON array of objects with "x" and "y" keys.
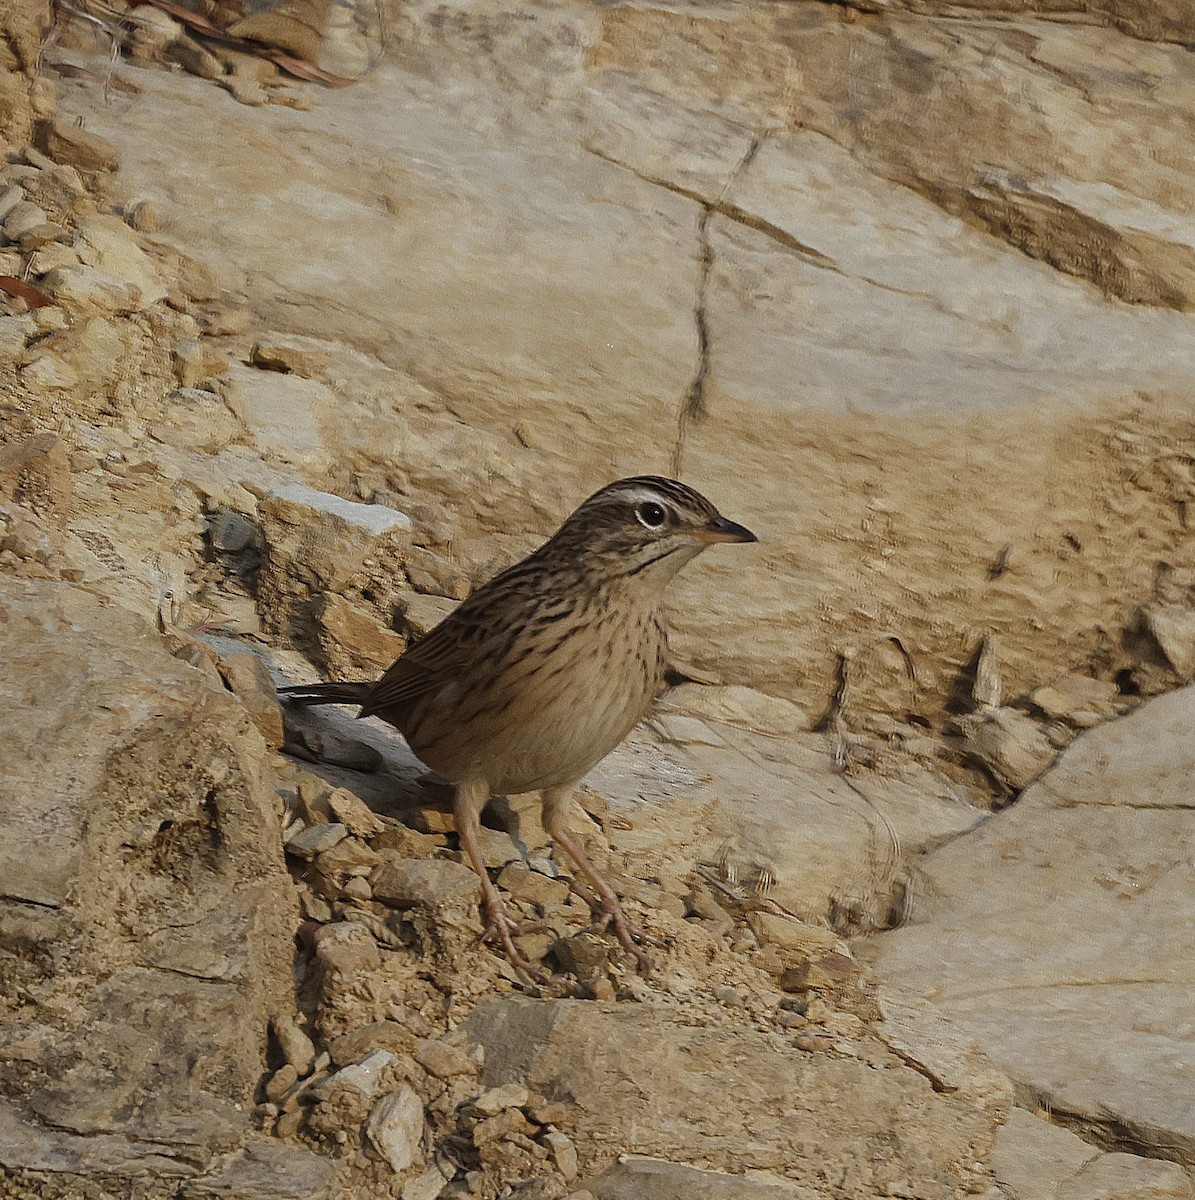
[{"x": 557, "y": 703}]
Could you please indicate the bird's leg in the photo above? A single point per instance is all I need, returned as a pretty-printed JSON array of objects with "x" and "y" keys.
[
  {"x": 471, "y": 798},
  {"x": 607, "y": 909}
]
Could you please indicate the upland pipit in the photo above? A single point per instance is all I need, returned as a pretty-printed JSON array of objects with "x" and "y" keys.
[{"x": 543, "y": 670}]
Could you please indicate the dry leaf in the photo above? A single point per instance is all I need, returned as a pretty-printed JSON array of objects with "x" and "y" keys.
[{"x": 26, "y": 291}]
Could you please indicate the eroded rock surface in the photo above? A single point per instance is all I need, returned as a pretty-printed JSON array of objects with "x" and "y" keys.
[
  {"x": 909, "y": 291},
  {"x": 912, "y": 288},
  {"x": 645, "y": 1082},
  {"x": 1059, "y": 933},
  {"x": 146, "y": 924}
]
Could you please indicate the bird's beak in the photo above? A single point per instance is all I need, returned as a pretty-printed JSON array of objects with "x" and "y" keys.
[{"x": 722, "y": 530}]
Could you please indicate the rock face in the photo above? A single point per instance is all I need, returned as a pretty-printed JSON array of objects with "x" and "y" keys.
[
  {"x": 906, "y": 286},
  {"x": 650, "y": 1084},
  {"x": 139, "y": 901},
  {"x": 1060, "y": 933},
  {"x": 906, "y": 291}
]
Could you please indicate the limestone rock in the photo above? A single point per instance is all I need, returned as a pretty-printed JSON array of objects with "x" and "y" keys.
[
  {"x": 776, "y": 819},
  {"x": 249, "y": 680},
  {"x": 356, "y": 816},
  {"x": 172, "y": 939},
  {"x": 22, "y": 217},
  {"x": 436, "y": 884},
  {"x": 290, "y": 354},
  {"x": 443, "y": 1059},
  {"x": 421, "y": 614},
  {"x": 1011, "y": 929},
  {"x": 316, "y": 839},
  {"x": 1041, "y": 1161},
  {"x": 352, "y": 641},
  {"x": 83, "y": 290},
  {"x": 65, "y": 142},
  {"x": 318, "y": 542},
  {"x": 107, "y": 243},
  {"x": 35, "y": 471},
  {"x": 297, "y": 1048},
  {"x": 1009, "y": 744},
  {"x": 266, "y": 1170},
  {"x": 1078, "y": 699},
  {"x": 1173, "y": 626},
  {"x": 395, "y": 1127},
  {"x": 359, "y": 1045},
  {"x": 366, "y": 1075},
  {"x": 636, "y": 1178},
  {"x": 641, "y": 1077},
  {"x": 288, "y": 417},
  {"x": 781, "y": 241}
]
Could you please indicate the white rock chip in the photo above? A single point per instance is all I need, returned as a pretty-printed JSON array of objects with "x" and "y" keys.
[
  {"x": 364, "y": 1076},
  {"x": 395, "y": 1126},
  {"x": 426, "y": 1186}
]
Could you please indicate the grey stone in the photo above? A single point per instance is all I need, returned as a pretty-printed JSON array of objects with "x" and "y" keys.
[
  {"x": 365, "y": 1075},
  {"x": 427, "y": 1186},
  {"x": 564, "y": 1154},
  {"x": 231, "y": 532}
]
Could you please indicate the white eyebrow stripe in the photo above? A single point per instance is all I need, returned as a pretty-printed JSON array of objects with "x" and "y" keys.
[{"x": 638, "y": 495}]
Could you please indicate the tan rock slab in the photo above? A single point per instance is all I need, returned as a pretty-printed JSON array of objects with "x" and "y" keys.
[
  {"x": 642, "y": 1078},
  {"x": 1059, "y": 933}
]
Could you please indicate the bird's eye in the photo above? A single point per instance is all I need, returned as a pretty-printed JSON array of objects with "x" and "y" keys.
[{"x": 651, "y": 515}]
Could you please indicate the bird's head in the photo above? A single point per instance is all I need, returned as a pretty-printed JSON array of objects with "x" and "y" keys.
[{"x": 646, "y": 528}]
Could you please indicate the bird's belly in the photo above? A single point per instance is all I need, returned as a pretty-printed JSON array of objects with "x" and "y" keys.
[{"x": 548, "y": 735}]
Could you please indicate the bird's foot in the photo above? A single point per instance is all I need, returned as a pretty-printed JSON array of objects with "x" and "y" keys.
[
  {"x": 501, "y": 929},
  {"x": 608, "y": 914}
]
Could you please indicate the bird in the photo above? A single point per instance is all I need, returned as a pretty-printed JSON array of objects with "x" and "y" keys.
[{"x": 542, "y": 671}]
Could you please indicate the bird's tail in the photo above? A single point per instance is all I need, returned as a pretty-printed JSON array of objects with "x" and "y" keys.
[{"x": 325, "y": 693}]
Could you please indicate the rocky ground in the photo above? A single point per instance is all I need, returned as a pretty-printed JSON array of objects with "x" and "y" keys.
[{"x": 286, "y": 371}]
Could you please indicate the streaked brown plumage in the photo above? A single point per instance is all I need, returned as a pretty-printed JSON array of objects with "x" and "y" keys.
[{"x": 543, "y": 670}]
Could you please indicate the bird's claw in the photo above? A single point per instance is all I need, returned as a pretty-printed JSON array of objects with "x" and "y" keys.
[
  {"x": 608, "y": 914},
  {"x": 501, "y": 929}
]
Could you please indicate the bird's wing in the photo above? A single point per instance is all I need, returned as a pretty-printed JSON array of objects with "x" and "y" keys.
[
  {"x": 447, "y": 651},
  {"x": 437, "y": 657},
  {"x": 483, "y": 624}
]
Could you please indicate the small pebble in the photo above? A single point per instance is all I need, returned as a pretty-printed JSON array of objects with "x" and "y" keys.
[
  {"x": 281, "y": 1081},
  {"x": 493, "y": 1101},
  {"x": 315, "y": 839},
  {"x": 297, "y": 1048}
]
